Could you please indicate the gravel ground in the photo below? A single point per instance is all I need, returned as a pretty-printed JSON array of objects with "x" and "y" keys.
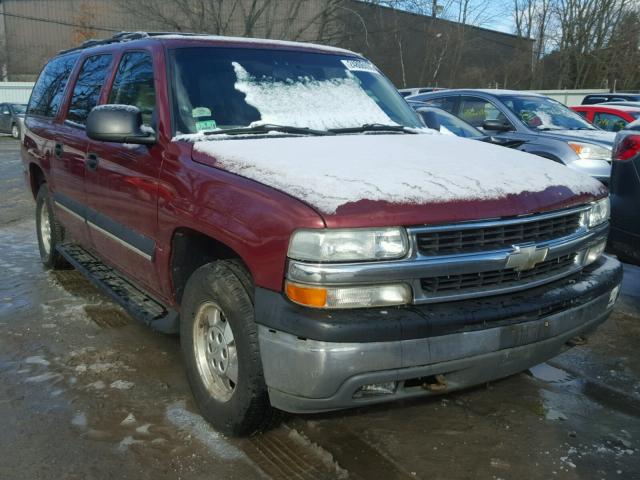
[{"x": 87, "y": 393}]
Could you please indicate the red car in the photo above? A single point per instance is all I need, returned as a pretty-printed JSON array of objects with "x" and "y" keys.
[
  {"x": 610, "y": 118},
  {"x": 285, "y": 210}
]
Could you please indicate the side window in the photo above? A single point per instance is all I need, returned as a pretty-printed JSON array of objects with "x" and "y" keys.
[
  {"x": 133, "y": 84},
  {"x": 445, "y": 103},
  {"x": 48, "y": 92},
  {"x": 4, "y": 109},
  {"x": 609, "y": 121},
  {"x": 86, "y": 91},
  {"x": 582, "y": 113},
  {"x": 475, "y": 111}
]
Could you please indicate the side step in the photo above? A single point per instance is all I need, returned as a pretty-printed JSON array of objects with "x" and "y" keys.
[{"x": 139, "y": 304}]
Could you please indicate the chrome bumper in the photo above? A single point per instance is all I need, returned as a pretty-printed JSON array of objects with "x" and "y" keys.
[{"x": 305, "y": 375}]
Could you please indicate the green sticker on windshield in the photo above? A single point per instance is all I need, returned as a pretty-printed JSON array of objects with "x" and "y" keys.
[
  {"x": 200, "y": 112},
  {"x": 206, "y": 125}
]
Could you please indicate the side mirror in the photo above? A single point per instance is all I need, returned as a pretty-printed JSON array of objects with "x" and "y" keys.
[
  {"x": 430, "y": 118},
  {"x": 118, "y": 124},
  {"x": 496, "y": 125}
]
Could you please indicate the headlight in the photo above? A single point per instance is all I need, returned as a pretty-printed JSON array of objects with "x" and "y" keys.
[
  {"x": 598, "y": 213},
  {"x": 347, "y": 245},
  {"x": 589, "y": 151},
  {"x": 357, "y": 296}
]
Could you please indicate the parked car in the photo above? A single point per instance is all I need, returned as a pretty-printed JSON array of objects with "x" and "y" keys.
[
  {"x": 281, "y": 207},
  {"x": 549, "y": 129},
  {"x": 406, "y": 92},
  {"x": 12, "y": 118},
  {"x": 608, "y": 117},
  {"x": 610, "y": 97},
  {"x": 625, "y": 194},
  {"x": 437, "y": 119}
]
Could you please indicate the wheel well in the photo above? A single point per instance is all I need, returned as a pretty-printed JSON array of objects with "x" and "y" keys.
[
  {"x": 190, "y": 250},
  {"x": 36, "y": 177}
]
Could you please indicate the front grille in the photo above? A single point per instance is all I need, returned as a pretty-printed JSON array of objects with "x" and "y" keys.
[
  {"x": 504, "y": 277},
  {"x": 457, "y": 240}
]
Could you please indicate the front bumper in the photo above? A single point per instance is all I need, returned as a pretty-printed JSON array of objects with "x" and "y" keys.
[{"x": 304, "y": 374}]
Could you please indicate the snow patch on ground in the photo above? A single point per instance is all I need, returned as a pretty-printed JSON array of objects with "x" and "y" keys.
[
  {"x": 122, "y": 385},
  {"x": 195, "y": 425},
  {"x": 37, "y": 360},
  {"x": 321, "y": 453},
  {"x": 328, "y": 172}
]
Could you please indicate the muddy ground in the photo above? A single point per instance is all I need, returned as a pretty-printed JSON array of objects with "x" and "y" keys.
[{"x": 87, "y": 393}]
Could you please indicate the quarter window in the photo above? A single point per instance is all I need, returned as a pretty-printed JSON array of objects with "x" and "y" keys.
[
  {"x": 48, "y": 92},
  {"x": 445, "y": 103},
  {"x": 87, "y": 89},
  {"x": 133, "y": 84}
]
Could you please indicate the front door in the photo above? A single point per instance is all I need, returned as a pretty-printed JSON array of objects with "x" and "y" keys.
[
  {"x": 70, "y": 146},
  {"x": 122, "y": 185}
]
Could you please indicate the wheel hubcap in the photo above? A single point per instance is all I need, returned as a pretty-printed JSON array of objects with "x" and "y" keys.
[
  {"x": 45, "y": 228},
  {"x": 215, "y": 350},
  {"x": 15, "y": 131}
]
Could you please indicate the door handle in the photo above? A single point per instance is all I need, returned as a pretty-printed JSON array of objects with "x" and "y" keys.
[
  {"x": 91, "y": 162},
  {"x": 58, "y": 150}
]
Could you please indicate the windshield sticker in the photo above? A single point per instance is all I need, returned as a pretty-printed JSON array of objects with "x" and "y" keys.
[
  {"x": 206, "y": 125},
  {"x": 359, "y": 66},
  {"x": 200, "y": 112}
]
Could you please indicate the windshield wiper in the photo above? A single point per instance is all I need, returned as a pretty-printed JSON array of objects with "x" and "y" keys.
[
  {"x": 266, "y": 128},
  {"x": 373, "y": 127}
]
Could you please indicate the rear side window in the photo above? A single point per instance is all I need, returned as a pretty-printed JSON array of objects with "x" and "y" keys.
[
  {"x": 87, "y": 89},
  {"x": 48, "y": 92},
  {"x": 445, "y": 103},
  {"x": 133, "y": 84}
]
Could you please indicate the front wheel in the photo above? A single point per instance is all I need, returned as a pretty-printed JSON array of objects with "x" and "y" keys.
[
  {"x": 15, "y": 131},
  {"x": 50, "y": 233},
  {"x": 219, "y": 341}
]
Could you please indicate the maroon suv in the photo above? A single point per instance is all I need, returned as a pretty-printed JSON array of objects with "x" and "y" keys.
[{"x": 282, "y": 208}]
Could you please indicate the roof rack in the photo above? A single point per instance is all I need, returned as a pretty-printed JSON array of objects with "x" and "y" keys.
[{"x": 122, "y": 37}]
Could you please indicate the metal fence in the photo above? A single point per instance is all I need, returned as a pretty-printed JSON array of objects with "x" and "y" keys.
[{"x": 15, "y": 92}]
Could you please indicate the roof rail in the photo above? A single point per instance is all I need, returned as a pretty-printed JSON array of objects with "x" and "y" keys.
[{"x": 122, "y": 37}]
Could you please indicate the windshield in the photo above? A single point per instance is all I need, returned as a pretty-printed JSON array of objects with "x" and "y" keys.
[
  {"x": 542, "y": 113},
  {"x": 217, "y": 89},
  {"x": 18, "y": 108}
]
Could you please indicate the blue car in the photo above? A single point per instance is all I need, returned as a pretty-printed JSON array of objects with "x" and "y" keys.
[{"x": 549, "y": 128}]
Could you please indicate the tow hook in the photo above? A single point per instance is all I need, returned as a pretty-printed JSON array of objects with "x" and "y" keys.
[
  {"x": 437, "y": 383},
  {"x": 576, "y": 341}
]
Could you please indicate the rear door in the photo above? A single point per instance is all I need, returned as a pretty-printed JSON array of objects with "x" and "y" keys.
[
  {"x": 70, "y": 145},
  {"x": 123, "y": 185}
]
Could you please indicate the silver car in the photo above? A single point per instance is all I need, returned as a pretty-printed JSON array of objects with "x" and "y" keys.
[{"x": 547, "y": 127}]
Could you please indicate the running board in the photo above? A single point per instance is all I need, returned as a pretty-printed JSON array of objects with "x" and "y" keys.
[{"x": 137, "y": 303}]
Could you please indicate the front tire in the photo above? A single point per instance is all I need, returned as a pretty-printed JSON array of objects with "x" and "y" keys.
[
  {"x": 219, "y": 341},
  {"x": 50, "y": 233},
  {"x": 15, "y": 131}
]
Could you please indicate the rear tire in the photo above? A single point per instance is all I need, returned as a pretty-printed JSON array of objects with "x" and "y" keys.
[
  {"x": 219, "y": 341},
  {"x": 50, "y": 233}
]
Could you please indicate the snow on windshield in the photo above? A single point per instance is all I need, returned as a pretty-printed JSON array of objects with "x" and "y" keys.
[{"x": 305, "y": 102}]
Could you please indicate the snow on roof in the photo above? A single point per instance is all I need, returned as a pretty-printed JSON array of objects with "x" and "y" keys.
[
  {"x": 327, "y": 172},
  {"x": 253, "y": 41}
]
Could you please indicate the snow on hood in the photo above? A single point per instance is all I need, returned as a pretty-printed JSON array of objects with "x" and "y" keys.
[
  {"x": 322, "y": 105},
  {"x": 327, "y": 172}
]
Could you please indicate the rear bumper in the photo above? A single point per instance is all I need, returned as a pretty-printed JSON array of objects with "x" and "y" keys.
[{"x": 307, "y": 375}]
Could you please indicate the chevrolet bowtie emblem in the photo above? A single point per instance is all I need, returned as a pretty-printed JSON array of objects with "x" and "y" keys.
[{"x": 525, "y": 257}]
